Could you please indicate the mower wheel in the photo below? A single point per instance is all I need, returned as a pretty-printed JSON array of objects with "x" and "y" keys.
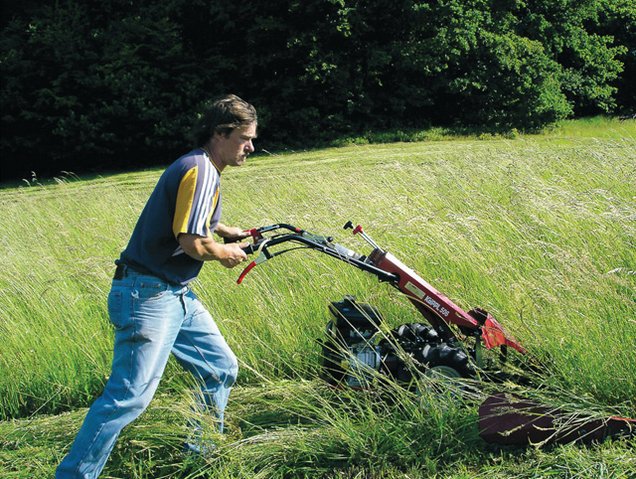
[
  {"x": 415, "y": 333},
  {"x": 445, "y": 359}
]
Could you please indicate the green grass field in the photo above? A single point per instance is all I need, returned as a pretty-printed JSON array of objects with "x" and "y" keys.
[{"x": 540, "y": 230}]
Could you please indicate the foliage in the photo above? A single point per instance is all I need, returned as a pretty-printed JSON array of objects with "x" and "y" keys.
[
  {"x": 99, "y": 85},
  {"x": 589, "y": 62},
  {"x": 617, "y": 18},
  {"x": 117, "y": 83}
]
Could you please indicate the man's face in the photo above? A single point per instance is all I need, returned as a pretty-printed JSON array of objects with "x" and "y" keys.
[{"x": 233, "y": 149}]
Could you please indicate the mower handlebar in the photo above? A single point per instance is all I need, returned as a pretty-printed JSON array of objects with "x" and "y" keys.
[
  {"x": 250, "y": 248},
  {"x": 257, "y": 236},
  {"x": 324, "y": 244}
]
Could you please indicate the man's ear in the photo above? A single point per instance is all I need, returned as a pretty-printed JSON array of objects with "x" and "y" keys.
[{"x": 218, "y": 135}]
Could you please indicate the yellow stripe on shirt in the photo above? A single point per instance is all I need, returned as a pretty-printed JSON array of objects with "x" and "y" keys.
[{"x": 185, "y": 198}]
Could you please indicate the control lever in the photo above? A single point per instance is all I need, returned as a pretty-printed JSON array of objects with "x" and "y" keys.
[{"x": 358, "y": 229}]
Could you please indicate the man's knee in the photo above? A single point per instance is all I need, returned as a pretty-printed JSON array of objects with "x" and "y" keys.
[
  {"x": 140, "y": 403},
  {"x": 125, "y": 409}
]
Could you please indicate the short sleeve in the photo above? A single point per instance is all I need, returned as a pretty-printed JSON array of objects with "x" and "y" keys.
[{"x": 197, "y": 194}]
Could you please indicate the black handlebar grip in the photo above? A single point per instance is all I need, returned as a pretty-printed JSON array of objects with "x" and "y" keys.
[
  {"x": 348, "y": 225},
  {"x": 250, "y": 248}
]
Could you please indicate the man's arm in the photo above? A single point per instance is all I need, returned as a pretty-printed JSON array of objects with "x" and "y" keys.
[{"x": 204, "y": 248}]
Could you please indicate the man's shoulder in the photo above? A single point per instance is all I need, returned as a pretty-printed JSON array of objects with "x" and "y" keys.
[
  {"x": 188, "y": 161},
  {"x": 184, "y": 164}
]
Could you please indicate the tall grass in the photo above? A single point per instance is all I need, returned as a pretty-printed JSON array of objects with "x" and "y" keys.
[{"x": 541, "y": 231}]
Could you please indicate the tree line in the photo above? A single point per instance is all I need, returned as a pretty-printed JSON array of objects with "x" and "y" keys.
[{"x": 111, "y": 84}]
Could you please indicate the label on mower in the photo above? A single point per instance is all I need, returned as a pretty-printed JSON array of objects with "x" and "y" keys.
[
  {"x": 415, "y": 290},
  {"x": 432, "y": 303}
]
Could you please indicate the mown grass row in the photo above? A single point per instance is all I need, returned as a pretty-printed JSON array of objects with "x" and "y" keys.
[{"x": 301, "y": 429}]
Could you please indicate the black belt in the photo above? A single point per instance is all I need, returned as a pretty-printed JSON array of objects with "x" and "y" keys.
[{"x": 120, "y": 271}]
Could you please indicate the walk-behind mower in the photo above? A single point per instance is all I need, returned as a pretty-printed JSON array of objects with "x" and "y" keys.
[
  {"x": 450, "y": 344},
  {"x": 356, "y": 348}
]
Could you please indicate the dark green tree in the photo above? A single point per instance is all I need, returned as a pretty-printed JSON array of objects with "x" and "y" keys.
[
  {"x": 116, "y": 83},
  {"x": 617, "y": 19},
  {"x": 95, "y": 84}
]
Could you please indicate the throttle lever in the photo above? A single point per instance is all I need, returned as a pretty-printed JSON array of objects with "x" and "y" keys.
[
  {"x": 358, "y": 230},
  {"x": 245, "y": 271},
  {"x": 256, "y": 247}
]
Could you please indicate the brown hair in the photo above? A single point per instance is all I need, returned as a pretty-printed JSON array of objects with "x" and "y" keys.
[{"x": 222, "y": 116}]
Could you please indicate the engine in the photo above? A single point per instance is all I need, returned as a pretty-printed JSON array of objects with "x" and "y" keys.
[{"x": 354, "y": 349}]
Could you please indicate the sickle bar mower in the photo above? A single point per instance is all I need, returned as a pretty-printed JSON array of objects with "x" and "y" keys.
[
  {"x": 353, "y": 342},
  {"x": 450, "y": 345}
]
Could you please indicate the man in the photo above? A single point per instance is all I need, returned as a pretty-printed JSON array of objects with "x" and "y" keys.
[{"x": 150, "y": 304}]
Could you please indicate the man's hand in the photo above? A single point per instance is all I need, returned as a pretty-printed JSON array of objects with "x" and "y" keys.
[
  {"x": 233, "y": 254},
  {"x": 204, "y": 248},
  {"x": 230, "y": 233}
]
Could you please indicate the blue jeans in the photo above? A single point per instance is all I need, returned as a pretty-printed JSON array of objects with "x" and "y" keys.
[{"x": 152, "y": 318}]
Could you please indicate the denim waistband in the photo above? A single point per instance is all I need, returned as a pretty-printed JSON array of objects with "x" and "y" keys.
[{"x": 125, "y": 274}]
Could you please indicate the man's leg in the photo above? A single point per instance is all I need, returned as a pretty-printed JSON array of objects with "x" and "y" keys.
[
  {"x": 201, "y": 349},
  {"x": 147, "y": 316}
]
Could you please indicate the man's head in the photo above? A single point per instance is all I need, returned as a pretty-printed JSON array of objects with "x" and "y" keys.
[
  {"x": 223, "y": 116},
  {"x": 227, "y": 130}
]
